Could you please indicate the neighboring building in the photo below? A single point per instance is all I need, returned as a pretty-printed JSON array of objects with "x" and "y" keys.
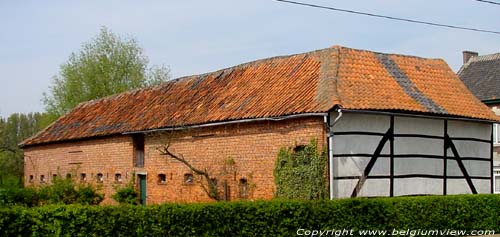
[
  {"x": 393, "y": 125},
  {"x": 481, "y": 74}
]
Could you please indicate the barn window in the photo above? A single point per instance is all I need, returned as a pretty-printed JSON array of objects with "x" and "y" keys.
[
  {"x": 139, "y": 150},
  {"x": 31, "y": 178},
  {"x": 162, "y": 178},
  {"x": 188, "y": 179},
  {"x": 68, "y": 176},
  {"x": 243, "y": 188},
  {"x": 118, "y": 177},
  {"x": 299, "y": 148},
  {"x": 54, "y": 177},
  {"x": 42, "y": 178},
  {"x": 100, "y": 178},
  {"x": 496, "y": 181},
  {"x": 496, "y": 134},
  {"x": 83, "y": 177}
]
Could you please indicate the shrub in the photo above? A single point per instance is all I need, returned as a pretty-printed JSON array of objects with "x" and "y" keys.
[
  {"x": 19, "y": 196},
  {"x": 300, "y": 173},
  {"x": 62, "y": 191},
  {"x": 126, "y": 195},
  {"x": 260, "y": 218}
]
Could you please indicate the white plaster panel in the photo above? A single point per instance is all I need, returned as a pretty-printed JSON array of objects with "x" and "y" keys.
[
  {"x": 482, "y": 185},
  {"x": 381, "y": 166},
  {"x": 452, "y": 168},
  {"x": 473, "y": 167},
  {"x": 457, "y": 186},
  {"x": 407, "y": 165},
  {"x": 361, "y": 122},
  {"x": 356, "y": 144},
  {"x": 343, "y": 188},
  {"x": 375, "y": 188},
  {"x": 421, "y": 126},
  {"x": 471, "y": 149},
  {"x": 478, "y": 168},
  {"x": 349, "y": 166},
  {"x": 414, "y": 186},
  {"x": 416, "y": 145},
  {"x": 355, "y": 166},
  {"x": 457, "y": 128}
]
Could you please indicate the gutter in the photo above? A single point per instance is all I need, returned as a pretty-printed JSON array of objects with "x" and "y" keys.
[
  {"x": 418, "y": 115},
  {"x": 491, "y": 101},
  {"x": 329, "y": 133},
  {"x": 280, "y": 118}
]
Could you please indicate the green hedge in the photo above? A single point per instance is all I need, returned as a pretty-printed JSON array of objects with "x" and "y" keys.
[{"x": 261, "y": 218}]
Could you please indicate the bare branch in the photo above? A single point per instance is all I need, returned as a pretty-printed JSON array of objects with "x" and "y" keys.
[{"x": 211, "y": 191}]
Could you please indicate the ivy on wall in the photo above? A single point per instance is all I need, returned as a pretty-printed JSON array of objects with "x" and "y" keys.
[{"x": 300, "y": 172}]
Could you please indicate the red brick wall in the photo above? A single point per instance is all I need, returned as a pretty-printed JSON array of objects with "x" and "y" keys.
[
  {"x": 229, "y": 153},
  {"x": 103, "y": 155}
]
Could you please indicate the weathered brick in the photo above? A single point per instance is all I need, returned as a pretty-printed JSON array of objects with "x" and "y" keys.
[{"x": 251, "y": 146}]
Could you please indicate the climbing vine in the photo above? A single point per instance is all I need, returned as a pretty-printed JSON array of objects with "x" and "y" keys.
[{"x": 300, "y": 172}]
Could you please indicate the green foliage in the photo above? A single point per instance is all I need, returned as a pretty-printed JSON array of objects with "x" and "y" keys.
[
  {"x": 272, "y": 218},
  {"x": 105, "y": 66},
  {"x": 300, "y": 173},
  {"x": 62, "y": 191},
  {"x": 14, "y": 130},
  {"x": 127, "y": 194}
]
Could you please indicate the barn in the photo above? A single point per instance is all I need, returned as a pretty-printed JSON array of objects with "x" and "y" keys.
[{"x": 393, "y": 125}]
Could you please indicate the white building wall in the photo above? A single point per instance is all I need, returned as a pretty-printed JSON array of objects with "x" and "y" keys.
[{"x": 418, "y": 150}]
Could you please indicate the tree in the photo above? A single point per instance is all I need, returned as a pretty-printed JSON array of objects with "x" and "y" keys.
[
  {"x": 207, "y": 183},
  {"x": 105, "y": 66},
  {"x": 14, "y": 130}
]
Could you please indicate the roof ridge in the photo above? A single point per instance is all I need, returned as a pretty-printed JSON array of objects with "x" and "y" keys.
[
  {"x": 486, "y": 57},
  {"x": 480, "y": 58},
  {"x": 391, "y": 54}
]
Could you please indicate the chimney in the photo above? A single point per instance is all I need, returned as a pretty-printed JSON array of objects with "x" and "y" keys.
[{"x": 467, "y": 55}]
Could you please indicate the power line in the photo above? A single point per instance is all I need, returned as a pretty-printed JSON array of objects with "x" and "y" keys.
[
  {"x": 490, "y": 2},
  {"x": 389, "y": 17}
]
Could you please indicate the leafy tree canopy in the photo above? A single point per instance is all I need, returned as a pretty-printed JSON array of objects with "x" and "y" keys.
[
  {"x": 14, "y": 130},
  {"x": 106, "y": 65}
]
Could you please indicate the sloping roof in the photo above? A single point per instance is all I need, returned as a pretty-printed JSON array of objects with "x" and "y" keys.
[
  {"x": 302, "y": 83},
  {"x": 481, "y": 74}
]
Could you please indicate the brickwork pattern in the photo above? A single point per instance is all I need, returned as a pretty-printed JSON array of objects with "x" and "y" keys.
[{"x": 229, "y": 153}]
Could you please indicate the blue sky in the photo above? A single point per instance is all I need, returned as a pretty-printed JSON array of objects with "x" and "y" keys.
[{"x": 193, "y": 37}]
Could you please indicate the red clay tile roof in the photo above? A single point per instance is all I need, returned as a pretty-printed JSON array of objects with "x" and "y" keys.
[{"x": 302, "y": 83}]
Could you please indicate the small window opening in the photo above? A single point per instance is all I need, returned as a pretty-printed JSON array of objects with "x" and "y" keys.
[
  {"x": 100, "y": 178},
  {"x": 83, "y": 177},
  {"x": 162, "y": 178},
  {"x": 68, "y": 176},
  {"x": 188, "y": 179},
  {"x": 54, "y": 177},
  {"x": 243, "y": 188},
  {"x": 42, "y": 178},
  {"x": 138, "y": 140},
  {"x": 299, "y": 148},
  {"x": 31, "y": 178},
  {"x": 118, "y": 177}
]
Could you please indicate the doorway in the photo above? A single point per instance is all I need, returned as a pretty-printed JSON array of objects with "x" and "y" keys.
[{"x": 142, "y": 188}]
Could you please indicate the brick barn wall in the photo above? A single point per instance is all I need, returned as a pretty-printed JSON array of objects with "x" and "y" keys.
[
  {"x": 102, "y": 155},
  {"x": 229, "y": 153}
]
